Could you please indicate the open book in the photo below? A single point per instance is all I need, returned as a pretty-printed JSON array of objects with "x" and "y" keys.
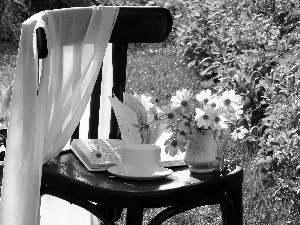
[{"x": 96, "y": 154}]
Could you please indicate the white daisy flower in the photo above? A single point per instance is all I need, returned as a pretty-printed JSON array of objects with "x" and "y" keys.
[
  {"x": 218, "y": 120},
  {"x": 169, "y": 115},
  {"x": 231, "y": 101},
  {"x": 173, "y": 145},
  {"x": 202, "y": 118},
  {"x": 204, "y": 96},
  {"x": 181, "y": 99},
  {"x": 239, "y": 133}
]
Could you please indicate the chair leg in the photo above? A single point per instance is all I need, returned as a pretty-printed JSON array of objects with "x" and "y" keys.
[
  {"x": 134, "y": 216},
  {"x": 236, "y": 196},
  {"x": 114, "y": 213},
  {"x": 223, "y": 210},
  {"x": 227, "y": 218}
]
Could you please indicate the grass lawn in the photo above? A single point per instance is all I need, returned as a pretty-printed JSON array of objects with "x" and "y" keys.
[
  {"x": 158, "y": 70},
  {"x": 8, "y": 55}
]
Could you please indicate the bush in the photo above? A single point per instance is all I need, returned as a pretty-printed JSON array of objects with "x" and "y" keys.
[
  {"x": 13, "y": 13},
  {"x": 9, "y": 23},
  {"x": 279, "y": 155}
]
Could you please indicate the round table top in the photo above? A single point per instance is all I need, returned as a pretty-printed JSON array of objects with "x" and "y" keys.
[{"x": 67, "y": 174}]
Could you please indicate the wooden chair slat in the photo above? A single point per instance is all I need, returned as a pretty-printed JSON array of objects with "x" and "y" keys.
[
  {"x": 95, "y": 108},
  {"x": 133, "y": 25},
  {"x": 142, "y": 25},
  {"x": 119, "y": 59}
]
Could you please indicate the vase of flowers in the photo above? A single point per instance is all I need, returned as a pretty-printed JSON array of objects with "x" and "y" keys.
[{"x": 201, "y": 125}]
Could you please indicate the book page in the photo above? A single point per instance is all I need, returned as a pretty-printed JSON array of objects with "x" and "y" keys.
[
  {"x": 105, "y": 147},
  {"x": 127, "y": 119},
  {"x": 157, "y": 128},
  {"x": 131, "y": 104},
  {"x": 97, "y": 154},
  {"x": 142, "y": 111}
]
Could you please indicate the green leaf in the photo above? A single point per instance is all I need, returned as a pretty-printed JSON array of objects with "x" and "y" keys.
[
  {"x": 260, "y": 161},
  {"x": 204, "y": 72},
  {"x": 283, "y": 135},
  {"x": 275, "y": 143},
  {"x": 191, "y": 64}
]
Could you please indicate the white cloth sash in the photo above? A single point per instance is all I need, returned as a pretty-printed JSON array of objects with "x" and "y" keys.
[{"x": 41, "y": 124}]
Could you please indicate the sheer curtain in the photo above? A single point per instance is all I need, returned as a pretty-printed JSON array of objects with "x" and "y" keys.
[{"x": 44, "y": 114}]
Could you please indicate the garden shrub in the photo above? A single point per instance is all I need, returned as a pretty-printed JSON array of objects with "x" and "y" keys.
[
  {"x": 236, "y": 44},
  {"x": 279, "y": 155},
  {"x": 251, "y": 46},
  {"x": 10, "y": 22},
  {"x": 14, "y": 12}
]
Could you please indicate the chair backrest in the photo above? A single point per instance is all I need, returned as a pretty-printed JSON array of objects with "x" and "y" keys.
[{"x": 133, "y": 25}]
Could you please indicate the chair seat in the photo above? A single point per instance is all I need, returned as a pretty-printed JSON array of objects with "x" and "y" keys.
[{"x": 181, "y": 187}]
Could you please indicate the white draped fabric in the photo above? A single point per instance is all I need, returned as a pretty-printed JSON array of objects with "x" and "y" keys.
[
  {"x": 45, "y": 112},
  {"x": 105, "y": 105}
]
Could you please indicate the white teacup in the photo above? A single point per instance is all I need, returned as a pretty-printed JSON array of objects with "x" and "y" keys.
[{"x": 139, "y": 159}]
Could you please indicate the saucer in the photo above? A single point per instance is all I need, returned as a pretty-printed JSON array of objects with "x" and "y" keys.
[
  {"x": 201, "y": 170},
  {"x": 159, "y": 173}
]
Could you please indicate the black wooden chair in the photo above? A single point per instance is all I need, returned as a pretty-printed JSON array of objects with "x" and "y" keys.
[{"x": 104, "y": 195}]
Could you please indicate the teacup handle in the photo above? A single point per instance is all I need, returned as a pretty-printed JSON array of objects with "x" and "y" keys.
[{"x": 117, "y": 159}]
